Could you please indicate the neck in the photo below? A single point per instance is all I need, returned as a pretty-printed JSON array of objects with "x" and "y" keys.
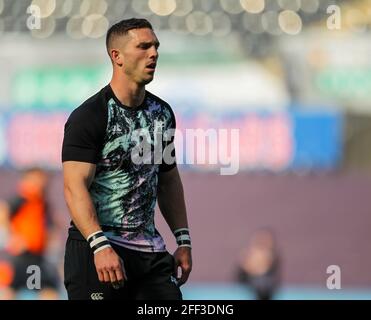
[{"x": 129, "y": 93}]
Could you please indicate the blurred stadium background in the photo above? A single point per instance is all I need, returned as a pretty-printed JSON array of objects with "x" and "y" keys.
[{"x": 298, "y": 90}]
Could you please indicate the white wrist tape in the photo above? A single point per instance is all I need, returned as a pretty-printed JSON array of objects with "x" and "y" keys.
[
  {"x": 183, "y": 238},
  {"x": 98, "y": 241}
]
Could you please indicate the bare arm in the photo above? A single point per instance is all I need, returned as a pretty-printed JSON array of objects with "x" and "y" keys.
[
  {"x": 4, "y": 215},
  {"x": 78, "y": 177},
  {"x": 170, "y": 197},
  {"x": 171, "y": 202}
]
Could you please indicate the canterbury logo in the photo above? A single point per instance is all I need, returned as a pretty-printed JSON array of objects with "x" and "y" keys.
[
  {"x": 97, "y": 296},
  {"x": 174, "y": 280}
]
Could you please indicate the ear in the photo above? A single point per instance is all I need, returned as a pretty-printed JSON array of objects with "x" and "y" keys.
[{"x": 116, "y": 57}]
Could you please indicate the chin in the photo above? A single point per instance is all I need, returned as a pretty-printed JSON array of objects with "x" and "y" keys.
[{"x": 148, "y": 80}]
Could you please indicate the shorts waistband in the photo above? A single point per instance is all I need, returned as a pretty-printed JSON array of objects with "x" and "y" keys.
[{"x": 75, "y": 234}]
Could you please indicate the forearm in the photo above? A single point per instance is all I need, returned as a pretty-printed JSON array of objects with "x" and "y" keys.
[
  {"x": 4, "y": 215},
  {"x": 82, "y": 210},
  {"x": 173, "y": 208},
  {"x": 172, "y": 204},
  {"x": 108, "y": 264}
]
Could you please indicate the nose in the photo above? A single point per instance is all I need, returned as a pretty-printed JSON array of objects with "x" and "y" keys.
[{"x": 154, "y": 53}]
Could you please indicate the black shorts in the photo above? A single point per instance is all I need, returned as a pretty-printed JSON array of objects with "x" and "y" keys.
[
  {"x": 150, "y": 275},
  {"x": 49, "y": 278}
]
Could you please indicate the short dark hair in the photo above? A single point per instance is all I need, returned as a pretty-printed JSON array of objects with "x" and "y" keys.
[{"x": 122, "y": 28}]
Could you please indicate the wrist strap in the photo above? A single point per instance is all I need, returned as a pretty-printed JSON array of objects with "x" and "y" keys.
[
  {"x": 183, "y": 238},
  {"x": 98, "y": 241}
]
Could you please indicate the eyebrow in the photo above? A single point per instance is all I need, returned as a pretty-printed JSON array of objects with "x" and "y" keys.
[{"x": 156, "y": 43}]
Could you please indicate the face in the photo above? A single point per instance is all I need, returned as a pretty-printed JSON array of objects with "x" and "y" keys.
[
  {"x": 264, "y": 239},
  {"x": 137, "y": 55},
  {"x": 35, "y": 181}
]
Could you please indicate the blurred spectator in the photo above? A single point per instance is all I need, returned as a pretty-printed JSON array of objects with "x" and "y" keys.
[
  {"x": 259, "y": 265},
  {"x": 26, "y": 220}
]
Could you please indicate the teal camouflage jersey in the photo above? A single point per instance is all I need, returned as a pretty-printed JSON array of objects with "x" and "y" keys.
[{"x": 124, "y": 190}]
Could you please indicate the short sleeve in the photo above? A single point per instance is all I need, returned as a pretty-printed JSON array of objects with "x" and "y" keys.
[
  {"x": 168, "y": 154},
  {"x": 84, "y": 134}
]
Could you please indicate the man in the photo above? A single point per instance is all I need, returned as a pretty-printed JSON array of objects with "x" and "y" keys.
[
  {"x": 114, "y": 250},
  {"x": 259, "y": 266},
  {"x": 27, "y": 220}
]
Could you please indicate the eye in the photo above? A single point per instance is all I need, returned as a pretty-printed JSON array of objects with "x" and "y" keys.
[{"x": 145, "y": 46}]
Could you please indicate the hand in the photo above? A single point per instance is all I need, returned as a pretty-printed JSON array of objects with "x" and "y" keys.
[
  {"x": 183, "y": 259},
  {"x": 110, "y": 267}
]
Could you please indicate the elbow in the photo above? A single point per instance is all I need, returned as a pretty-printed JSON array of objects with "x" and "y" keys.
[
  {"x": 70, "y": 191},
  {"x": 74, "y": 190},
  {"x": 160, "y": 188},
  {"x": 67, "y": 193},
  {"x": 165, "y": 186}
]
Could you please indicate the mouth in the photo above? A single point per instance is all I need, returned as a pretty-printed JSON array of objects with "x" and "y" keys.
[{"x": 151, "y": 66}]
